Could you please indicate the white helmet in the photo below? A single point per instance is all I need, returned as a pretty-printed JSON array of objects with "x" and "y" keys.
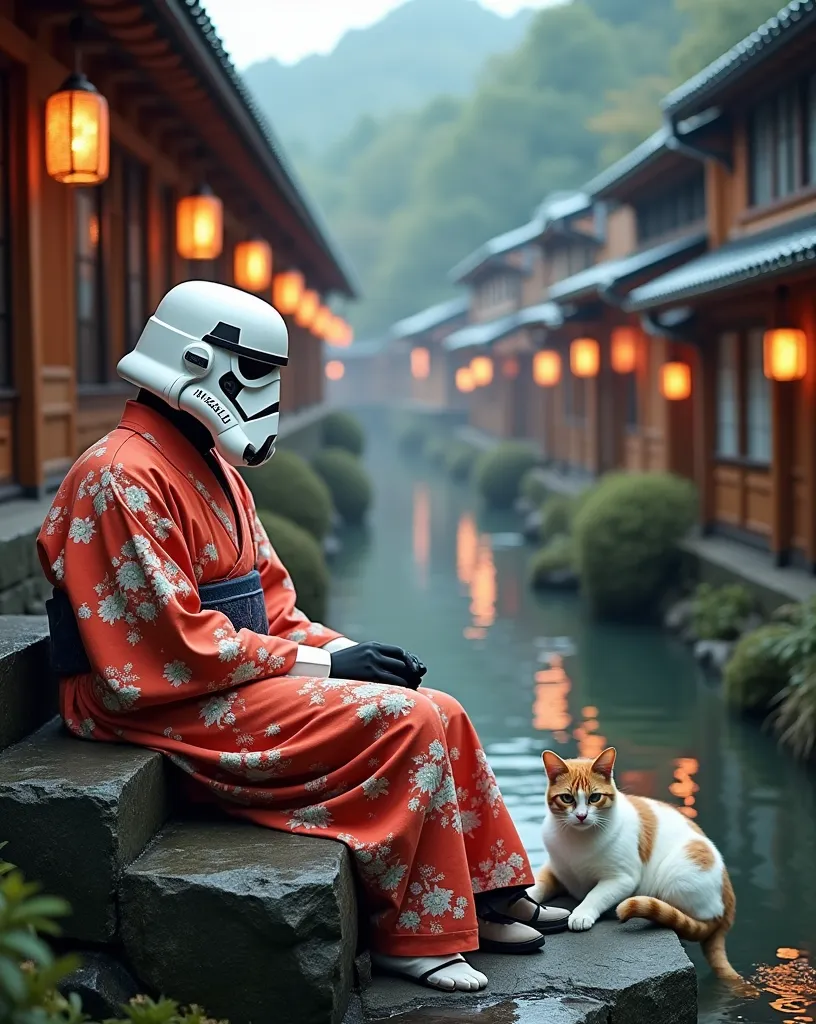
[{"x": 216, "y": 353}]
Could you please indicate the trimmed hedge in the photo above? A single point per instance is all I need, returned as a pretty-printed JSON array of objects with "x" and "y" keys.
[
  {"x": 557, "y": 514},
  {"x": 499, "y": 473},
  {"x": 304, "y": 561},
  {"x": 347, "y": 481},
  {"x": 554, "y": 564},
  {"x": 460, "y": 460},
  {"x": 627, "y": 532},
  {"x": 533, "y": 489},
  {"x": 288, "y": 486},
  {"x": 755, "y": 674},
  {"x": 342, "y": 430}
]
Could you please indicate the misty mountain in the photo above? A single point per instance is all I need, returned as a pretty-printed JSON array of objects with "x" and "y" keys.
[{"x": 423, "y": 49}]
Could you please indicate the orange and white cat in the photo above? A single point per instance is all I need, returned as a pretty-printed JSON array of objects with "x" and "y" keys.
[{"x": 608, "y": 849}]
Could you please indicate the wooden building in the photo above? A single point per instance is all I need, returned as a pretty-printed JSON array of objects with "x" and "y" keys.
[
  {"x": 83, "y": 267},
  {"x": 417, "y": 343}
]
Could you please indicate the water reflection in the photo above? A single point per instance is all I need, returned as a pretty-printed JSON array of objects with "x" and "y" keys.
[
  {"x": 476, "y": 569},
  {"x": 793, "y": 984},
  {"x": 422, "y": 531},
  {"x": 551, "y": 707},
  {"x": 684, "y": 787}
]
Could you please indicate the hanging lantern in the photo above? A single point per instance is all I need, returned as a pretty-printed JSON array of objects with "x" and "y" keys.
[
  {"x": 624, "y": 349},
  {"x": 785, "y": 354},
  {"x": 481, "y": 369},
  {"x": 546, "y": 368},
  {"x": 200, "y": 226},
  {"x": 420, "y": 363},
  {"x": 347, "y": 333},
  {"x": 321, "y": 322},
  {"x": 252, "y": 266},
  {"x": 307, "y": 308},
  {"x": 287, "y": 291},
  {"x": 511, "y": 368},
  {"x": 675, "y": 381},
  {"x": 335, "y": 370},
  {"x": 585, "y": 357},
  {"x": 464, "y": 380},
  {"x": 77, "y": 133}
]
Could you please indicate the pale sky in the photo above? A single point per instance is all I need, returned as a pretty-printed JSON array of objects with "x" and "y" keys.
[{"x": 290, "y": 29}]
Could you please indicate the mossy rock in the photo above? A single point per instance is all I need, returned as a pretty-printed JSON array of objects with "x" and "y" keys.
[
  {"x": 460, "y": 460},
  {"x": 553, "y": 566},
  {"x": 347, "y": 481},
  {"x": 627, "y": 532},
  {"x": 499, "y": 473},
  {"x": 342, "y": 430},
  {"x": 304, "y": 561},
  {"x": 288, "y": 486},
  {"x": 533, "y": 488},
  {"x": 719, "y": 613},
  {"x": 755, "y": 674}
]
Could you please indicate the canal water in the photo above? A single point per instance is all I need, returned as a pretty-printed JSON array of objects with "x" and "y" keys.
[{"x": 435, "y": 575}]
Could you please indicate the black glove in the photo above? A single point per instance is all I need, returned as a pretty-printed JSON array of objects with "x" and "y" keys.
[{"x": 371, "y": 662}]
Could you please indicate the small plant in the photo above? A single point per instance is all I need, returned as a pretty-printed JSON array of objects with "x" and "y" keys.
[
  {"x": 533, "y": 488},
  {"x": 554, "y": 564},
  {"x": 794, "y": 720},
  {"x": 460, "y": 460},
  {"x": 756, "y": 673},
  {"x": 499, "y": 472},
  {"x": 288, "y": 486},
  {"x": 304, "y": 561},
  {"x": 718, "y": 613},
  {"x": 557, "y": 514},
  {"x": 347, "y": 481},
  {"x": 342, "y": 430}
]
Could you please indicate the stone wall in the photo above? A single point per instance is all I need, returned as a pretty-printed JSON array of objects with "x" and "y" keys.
[{"x": 23, "y": 588}]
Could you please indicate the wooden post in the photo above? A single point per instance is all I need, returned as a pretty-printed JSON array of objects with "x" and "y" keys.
[{"x": 783, "y": 403}]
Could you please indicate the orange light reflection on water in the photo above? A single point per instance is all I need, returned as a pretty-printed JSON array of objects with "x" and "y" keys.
[
  {"x": 477, "y": 571},
  {"x": 792, "y": 983},
  {"x": 550, "y": 705},
  {"x": 590, "y": 741},
  {"x": 684, "y": 787},
  {"x": 422, "y": 531}
]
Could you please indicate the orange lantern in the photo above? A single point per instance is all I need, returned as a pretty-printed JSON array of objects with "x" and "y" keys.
[
  {"x": 675, "y": 381},
  {"x": 321, "y": 322},
  {"x": 511, "y": 368},
  {"x": 585, "y": 357},
  {"x": 347, "y": 335},
  {"x": 252, "y": 265},
  {"x": 420, "y": 363},
  {"x": 785, "y": 354},
  {"x": 307, "y": 308},
  {"x": 546, "y": 368},
  {"x": 77, "y": 133},
  {"x": 624, "y": 349},
  {"x": 335, "y": 370},
  {"x": 287, "y": 291},
  {"x": 464, "y": 379},
  {"x": 482, "y": 370},
  {"x": 200, "y": 226}
]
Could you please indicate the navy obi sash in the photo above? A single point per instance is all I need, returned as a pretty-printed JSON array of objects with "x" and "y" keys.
[{"x": 241, "y": 600}]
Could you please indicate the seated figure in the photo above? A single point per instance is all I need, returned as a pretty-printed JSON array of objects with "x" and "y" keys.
[{"x": 174, "y": 626}]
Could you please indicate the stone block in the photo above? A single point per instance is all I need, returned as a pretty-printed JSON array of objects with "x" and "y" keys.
[
  {"x": 252, "y": 924},
  {"x": 18, "y": 558},
  {"x": 103, "y": 985},
  {"x": 28, "y": 691},
  {"x": 75, "y": 814}
]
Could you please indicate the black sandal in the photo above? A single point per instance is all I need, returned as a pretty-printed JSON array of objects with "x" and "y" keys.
[{"x": 488, "y": 913}]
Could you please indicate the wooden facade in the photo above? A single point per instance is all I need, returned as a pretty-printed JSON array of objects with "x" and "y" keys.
[{"x": 82, "y": 268}]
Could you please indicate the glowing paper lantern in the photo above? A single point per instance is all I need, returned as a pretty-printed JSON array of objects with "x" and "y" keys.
[
  {"x": 511, "y": 368},
  {"x": 287, "y": 291},
  {"x": 785, "y": 354},
  {"x": 252, "y": 265},
  {"x": 200, "y": 226},
  {"x": 675, "y": 381},
  {"x": 464, "y": 379},
  {"x": 546, "y": 368},
  {"x": 585, "y": 357},
  {"x": 482, "y": 370},
  {"x": 624, "y": 349},
  {"x": 420, "y": 363},
  {"x": 77, "y": 133},
  {"x": 307, "y": 308},
  {"x": 321, "y": 322},
  {"x": 335, "y": 370}
]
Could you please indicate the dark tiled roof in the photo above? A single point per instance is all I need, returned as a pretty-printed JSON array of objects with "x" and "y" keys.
[
  {"x": 428, "y": 319},
  {"x": 477, "y": 335},
  {"x": 784, "y": 248},
  {"x": 761, "y": 43},
  {"x": 622, "y": 168},
  {"x": 616, "y": 272}
]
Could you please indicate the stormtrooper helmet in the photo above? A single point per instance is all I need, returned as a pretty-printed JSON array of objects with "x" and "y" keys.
[{"x": 216, "y": 353}]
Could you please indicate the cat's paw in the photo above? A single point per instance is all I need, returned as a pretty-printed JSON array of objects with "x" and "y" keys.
[{"x": 581, "y": 920}]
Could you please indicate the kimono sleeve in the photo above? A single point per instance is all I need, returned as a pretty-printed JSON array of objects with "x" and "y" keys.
[{"x": 129, "y": 576}]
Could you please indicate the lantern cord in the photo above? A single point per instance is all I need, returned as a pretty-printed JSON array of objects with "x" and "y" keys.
[{"x": 76, "y": 32}]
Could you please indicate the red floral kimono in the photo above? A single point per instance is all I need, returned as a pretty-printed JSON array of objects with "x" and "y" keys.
[{"x": 398, "y": 776}]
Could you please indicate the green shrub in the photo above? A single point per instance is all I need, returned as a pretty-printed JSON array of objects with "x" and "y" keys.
[
  {"x": 460, "y": 460},
  {"x": 755, "y": 672},
  {"x": 436, "y": 450},
  {"x": 795, "y": 647},
  {"x": 557, "y": 515},
  {"x": 347, "y": 481},
  {"x": 554, "y": 563},
  {"x": 342, "y": 430},
  {"x": 791, "y": 613},
  {"x": 627, "y": 531},
  {"x": 533, "y": 488},
  {"x": 412, "y": 435},
  {"x": 304, "y": 561},
  {"x": 499, "y": 472},
  {"x": 288, "y": 486},
  {"x": 718, "y": 613}
]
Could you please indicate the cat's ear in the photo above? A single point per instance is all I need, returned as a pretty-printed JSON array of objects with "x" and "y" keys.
[
  {"x": 553, "y": 765},
  {"x": 605, "y": 762}
]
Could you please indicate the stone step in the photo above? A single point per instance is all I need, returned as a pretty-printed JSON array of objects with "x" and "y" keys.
[
  {"x": 75, "y": 814},
  {"x": 28, "y": 691},
  {"x": 252, "y": 924}
]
